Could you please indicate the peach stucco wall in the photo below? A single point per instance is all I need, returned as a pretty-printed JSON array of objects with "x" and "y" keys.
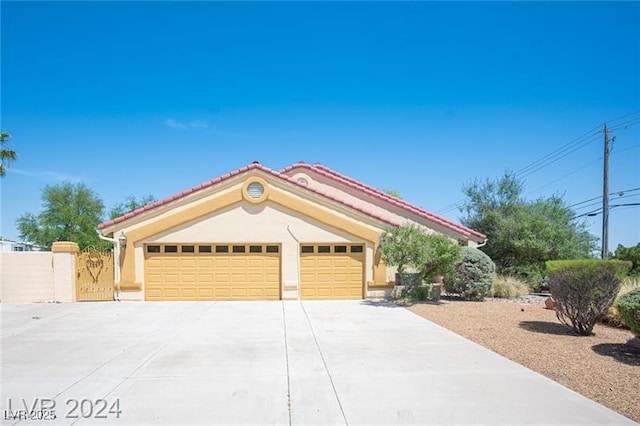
[{"x": 264, "y": 223}]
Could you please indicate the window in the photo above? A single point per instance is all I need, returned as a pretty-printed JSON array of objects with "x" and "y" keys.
[
  {"x": 356, "y": 249},
  {"x": 153, "y": 249},
  {"x": 239, "y": 249},
  {"x": 324, "y": 249},
  {"x": 340, "y": 249},
  {"x": 188, "y": 249},
  {"x": 273, "y": 249},
  {"x": 170, "y": 249},
  {"x": 222, "y": 249},
  {"x": 204, "y": 249},
  {"x": 255, "y": 190},
  {"x": 18, "y": 248},
  {"x": 306, "y": 249},
  {"x": 303, "y": 181},
  {"x": 255, "y": 249}
]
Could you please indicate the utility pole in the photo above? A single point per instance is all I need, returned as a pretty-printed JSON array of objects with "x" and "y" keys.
[{"x": 605, "y": 196}]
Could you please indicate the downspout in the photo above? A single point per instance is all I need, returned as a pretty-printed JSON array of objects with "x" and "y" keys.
[
  {"x": 484, "y": 243},
  {"x": 102, "y": 237},
  {"x": 116, "y": 262},
  {"x": 297, "y": 260}
]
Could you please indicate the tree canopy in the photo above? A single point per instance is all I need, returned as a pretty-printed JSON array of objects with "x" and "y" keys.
[
  {"x": 130, "y": 204},
  {"x": 523, "y": 234},
  {"x": 70, "y": 213},
  {"x": 427, "y": 254},
  {"x": 631, "y": 254},
  {"x": 393, "y": 193},
  {"x": 7, "y": 155}
]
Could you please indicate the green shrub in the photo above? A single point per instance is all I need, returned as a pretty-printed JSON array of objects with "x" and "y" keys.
[
  {"x": 410, "y": 249},
  {"x": 629, "y": 308},
  {"x": 533, "y": 275},
  {"x": 473, "y": 275},
  {"x": 620, "y": 267},
  {"x": 402, "y": 247},
  {"x": 612, "y": 317},
  {"x": 420, "y": 293},
  {"x": 583, "y": 290},
  {"x": 439, "y": 254},
  {"x": 508, "y": 287}
]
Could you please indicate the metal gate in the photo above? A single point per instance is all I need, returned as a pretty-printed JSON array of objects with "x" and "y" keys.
[{"x": 94, "y": 275}]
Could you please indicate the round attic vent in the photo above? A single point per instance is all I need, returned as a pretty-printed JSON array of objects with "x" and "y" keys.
[
  {"x": 303, "y": 181},
  {"x": 255, "y": 190}
]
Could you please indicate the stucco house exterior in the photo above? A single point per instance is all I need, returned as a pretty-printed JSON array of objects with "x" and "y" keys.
[{"x": 305, "y": 232}]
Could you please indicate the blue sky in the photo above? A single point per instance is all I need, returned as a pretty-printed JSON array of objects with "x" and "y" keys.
[{"x": 141, "y": 97}]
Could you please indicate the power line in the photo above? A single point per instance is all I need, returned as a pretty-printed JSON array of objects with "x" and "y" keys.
[
  {"x": 574, "y": 145},
  {"x": 598, "y": 211},
  {"x": 600, "y": 202},
  {"x": 580, "y": 142},
  {"x": 577, "y": 143},
  {"x": 611, "y": 193}
]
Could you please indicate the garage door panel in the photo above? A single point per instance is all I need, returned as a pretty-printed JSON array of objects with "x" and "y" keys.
[
  {"x": 212, "y": 276},
  {"x": 189, "y": 262},
  {"x": 331, "y": 275},
  {"x": 205, "y": 263},
  {"x": 238, "y": 263},
  {"x": 171, "y": 263},
  {"x": 205, "y": 293}
]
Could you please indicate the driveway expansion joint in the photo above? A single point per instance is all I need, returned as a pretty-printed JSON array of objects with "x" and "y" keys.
[{"x": 324, "y": 363}]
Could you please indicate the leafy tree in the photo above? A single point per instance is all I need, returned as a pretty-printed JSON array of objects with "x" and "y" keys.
[
  {"x": 427, "y": 254},
  {"x": 130, "y": 204},
  {"x": 70, "y": 213},
  {"x": 393, "y": 193},
  {"x": 631, "y": 254},
  {"x": 7, "y": 155},
  {"x": 438, "y": 255},
  {"x": 401, "y": 246},
  {"x": 523, "y": 234}
]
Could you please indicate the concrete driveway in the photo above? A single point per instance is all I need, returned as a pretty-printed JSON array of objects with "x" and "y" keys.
[{"x": 265, "y": 363}]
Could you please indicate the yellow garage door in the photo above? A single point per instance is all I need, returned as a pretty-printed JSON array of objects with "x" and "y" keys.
[
  {"x": 332, "y": 271},
  {"x": 212, "y": 271}
]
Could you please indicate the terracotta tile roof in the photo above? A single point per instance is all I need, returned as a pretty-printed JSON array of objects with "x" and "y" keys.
[
  {"x": 370, "y": 190},
  {"x": 252, "y": 166}
]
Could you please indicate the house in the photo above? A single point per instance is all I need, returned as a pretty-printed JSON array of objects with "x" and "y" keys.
[
  {"x": 305, "y": 232},
  {"x": 9, "y": 245}
]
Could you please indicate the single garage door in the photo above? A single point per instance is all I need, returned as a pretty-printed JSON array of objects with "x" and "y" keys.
[
  {"x": 212, "y": 271},
  {"x": 332, "y": 271}
]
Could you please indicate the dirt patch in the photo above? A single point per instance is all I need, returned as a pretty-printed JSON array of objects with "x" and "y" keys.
[{"x": 600, "y": 367}]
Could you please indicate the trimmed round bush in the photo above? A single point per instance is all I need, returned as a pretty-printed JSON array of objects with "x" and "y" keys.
[
  {"x": 629, "y": 309},
  {"x": 473, "y": 275}
]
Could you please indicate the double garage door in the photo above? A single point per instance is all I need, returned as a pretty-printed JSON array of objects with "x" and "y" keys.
[
  {"x": 212, "y": 272},
  {"x": 250, "y": 271}
]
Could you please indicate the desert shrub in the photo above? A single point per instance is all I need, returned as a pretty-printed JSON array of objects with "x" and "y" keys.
[
  {"x": 508, "y": 287},
  {"x": 402, "y": 247},
  {"x": 629, "y": 308},
  {"x": 409, "y": 279},
  {"x": 472, "y": 276},
  {"x": 412, "y": 250},
  {"x": 533, "y": 275},
  {"x": 631, "y": 254},
  {"x": 420, "y": 293},
  {"x": 612, "y": 317},
  {"x": 619, "y": 267},
  {"x": 583, "y": 290},
  {"x": 439, "y": 254}
]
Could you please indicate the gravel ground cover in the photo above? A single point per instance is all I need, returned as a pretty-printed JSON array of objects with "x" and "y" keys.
[{"x": 601, "y": 367}]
